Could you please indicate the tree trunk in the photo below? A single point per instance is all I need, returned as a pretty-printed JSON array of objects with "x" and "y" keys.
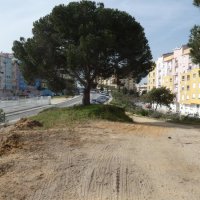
[{"x": 86, "y": 96}]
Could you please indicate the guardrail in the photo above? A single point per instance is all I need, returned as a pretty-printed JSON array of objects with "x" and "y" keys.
[{"x": 12, "y": 105}]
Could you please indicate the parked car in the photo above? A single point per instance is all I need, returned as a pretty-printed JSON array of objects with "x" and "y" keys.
[
  {"x": 94, "y": 101},
  {"x": 102, "y": 99},
  {"x": 104, "y": 93}
]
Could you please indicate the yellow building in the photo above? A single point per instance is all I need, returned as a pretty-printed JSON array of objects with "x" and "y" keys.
[
  {"x": 168, "y": 82},
  {"x": 176, "y": 72},
  {"x": 190, "y": 87},
  {"x": 151, "y": 83}
]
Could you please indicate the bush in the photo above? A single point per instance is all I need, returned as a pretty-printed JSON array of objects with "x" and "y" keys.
[
  {"x": 123, "y": 101},
  {"x": 156, "y": 114},
  {"x": 2, "y": 116},
  {"x": 141, "y": 111},
  {"x": 172, "y": 116}
]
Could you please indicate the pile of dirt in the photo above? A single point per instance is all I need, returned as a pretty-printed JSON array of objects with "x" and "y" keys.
[
  {"x": 25, "y": 123},
  {"x": 9, "y": 143},
  {"x": 5, "y": 167}
]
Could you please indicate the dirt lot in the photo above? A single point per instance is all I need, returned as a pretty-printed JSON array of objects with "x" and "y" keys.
[{"x": 148, "y": 160}]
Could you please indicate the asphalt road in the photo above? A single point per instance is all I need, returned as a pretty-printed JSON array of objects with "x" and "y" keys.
[{"x": 13, "y": 117}]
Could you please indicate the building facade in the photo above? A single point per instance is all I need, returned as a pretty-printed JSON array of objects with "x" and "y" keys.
[
  {"x": 128, "y": 83},
  {"x": 176, "y": 72},
  {"x": 151, "y": 80},
  {"x": 11, "y": 79},
  {"x": 5, "y": 73}
]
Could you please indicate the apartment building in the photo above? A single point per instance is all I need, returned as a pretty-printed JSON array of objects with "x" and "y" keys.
[
  {"x": 5, "y": 72},
  {"x": 128, "y": 83},
  {"x": 11, "y": 79},
  {"x": 151, "y": 80},
  {"x": 112, "y": 82},
  {"x": 176, "y": 71}
]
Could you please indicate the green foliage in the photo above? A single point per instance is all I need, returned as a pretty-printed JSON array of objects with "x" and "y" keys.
[
  {"x": 2, "y": 116},
  {"x": 194, "y": 40},
  {"x": 141, "y": 111},
  {"x": 123, "y": 101},
  {"x": 184, "y": 119},
  {"x": 196, "y": 3},
  {"x": 156, "y": 114},
  {"x": 194, "y": 44},
  {"x": 159, "y": 96},
  {"x": 84, "y": 40},
  {"x": 64, "y": 116}
]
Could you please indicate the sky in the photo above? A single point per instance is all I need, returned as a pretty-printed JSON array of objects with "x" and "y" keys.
[{"x": 167, "y": 24}]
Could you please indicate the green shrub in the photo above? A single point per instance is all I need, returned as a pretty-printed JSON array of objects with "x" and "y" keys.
[
  {"x": 66, "y": 116},
  {"x": 156, "y": 114},
  {"x": 2, "y": 116},
  {"x": 141, "y": 111}
]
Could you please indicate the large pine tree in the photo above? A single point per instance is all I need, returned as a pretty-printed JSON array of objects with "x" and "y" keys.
[{"x": 84, "y": 40}]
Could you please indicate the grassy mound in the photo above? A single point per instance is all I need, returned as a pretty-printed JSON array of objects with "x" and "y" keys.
[{"x": 64, "y": 116}]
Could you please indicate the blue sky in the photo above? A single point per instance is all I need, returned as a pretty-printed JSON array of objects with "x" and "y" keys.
[{"x": 167, "y": 24}]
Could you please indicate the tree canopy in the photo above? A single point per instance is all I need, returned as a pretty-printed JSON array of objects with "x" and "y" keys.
[
  {"x": 194, "y": 43},
  {"x": 194, "y": 40},
  {"x": 196, "y": 2},
  {"x": 85, "y": 41},
  {"x": 159, "y": 96}
]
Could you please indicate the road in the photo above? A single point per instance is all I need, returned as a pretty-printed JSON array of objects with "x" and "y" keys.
[
  {"x": 14, "y": 116},
  {"x": 99, "y": 160}
]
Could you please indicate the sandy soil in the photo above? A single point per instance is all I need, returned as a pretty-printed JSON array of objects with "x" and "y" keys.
[{"x": 148, "y": 160}]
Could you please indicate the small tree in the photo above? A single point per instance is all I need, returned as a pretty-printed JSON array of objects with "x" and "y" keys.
[{"x": 159, "y": 96}]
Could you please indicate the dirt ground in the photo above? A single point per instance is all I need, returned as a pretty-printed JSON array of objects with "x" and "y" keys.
[{"x": 147, "y": 160}]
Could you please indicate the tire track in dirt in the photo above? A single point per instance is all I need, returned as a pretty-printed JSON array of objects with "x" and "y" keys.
[
  {"x": 45, "y": 186},
  {"x": 112, "y": 176},
  {"x": 100, "y": 171},
  {"x": 136, "y": 162},
  {"x": 59, "y": 176}
]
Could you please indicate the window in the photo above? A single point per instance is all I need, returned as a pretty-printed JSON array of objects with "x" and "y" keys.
[
  {"x": 194, "y": 75},
  {"x": 193, "y": 96},
  {"x": 182, "y": 87},
  {"x": 194, "y": 85},
  {"x": 188, "y": 77},
  {"x": 188, "y": 97},
  {"x": 170, "y": 79},
  {"x": 183, "y": 78},
  {"x": 188, "y": 87},
  {"x": 199, "y": 96},
  {"x": 183, "y": 97}
]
